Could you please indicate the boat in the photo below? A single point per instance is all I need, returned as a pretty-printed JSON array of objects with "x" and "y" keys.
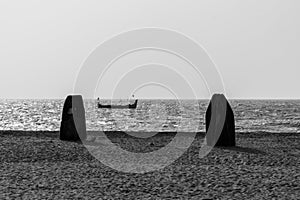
[{"x": 129, "y": 106}]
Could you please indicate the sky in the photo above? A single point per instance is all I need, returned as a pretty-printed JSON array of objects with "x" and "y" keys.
[{"x": 255, "y": 44}]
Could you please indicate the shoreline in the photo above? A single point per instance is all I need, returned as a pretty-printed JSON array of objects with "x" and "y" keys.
[{"x": 161, "y": 133}]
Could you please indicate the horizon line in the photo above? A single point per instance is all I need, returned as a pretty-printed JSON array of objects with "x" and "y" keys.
[{"x": 151, "y": 98}]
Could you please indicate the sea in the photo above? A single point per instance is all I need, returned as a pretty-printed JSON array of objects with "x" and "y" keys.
[{"x": 280, "y": 116}]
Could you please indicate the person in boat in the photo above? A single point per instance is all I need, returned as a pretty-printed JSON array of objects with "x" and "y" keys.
[{"x": 117, "y": 106}]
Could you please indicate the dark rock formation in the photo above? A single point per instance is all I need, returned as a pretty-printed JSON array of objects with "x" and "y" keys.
[
  {"x": 73, "y": 126},
  {"x": 218, "y": 107}
]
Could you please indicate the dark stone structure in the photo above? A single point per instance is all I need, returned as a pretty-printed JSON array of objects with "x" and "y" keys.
[
  {"x": 73, "y": 127},
  {"x": 214, "y": 114}
]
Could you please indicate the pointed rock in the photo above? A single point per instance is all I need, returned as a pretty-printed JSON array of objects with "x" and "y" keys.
[
  {"x": 220, "y": 125},
  {"x": 73, "y": 127}
]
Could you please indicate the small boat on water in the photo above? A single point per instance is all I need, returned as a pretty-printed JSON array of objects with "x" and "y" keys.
[{"x": 130, "y": 106}]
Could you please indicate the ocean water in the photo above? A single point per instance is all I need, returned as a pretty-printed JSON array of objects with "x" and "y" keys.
[{"x": 153, "y": 115}]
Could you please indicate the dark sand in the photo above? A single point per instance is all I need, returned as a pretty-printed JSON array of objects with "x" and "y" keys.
[{"x": 36, "y": 165}]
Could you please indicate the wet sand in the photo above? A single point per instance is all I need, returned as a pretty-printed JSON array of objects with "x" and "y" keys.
[{"x": 37, "y": 165}]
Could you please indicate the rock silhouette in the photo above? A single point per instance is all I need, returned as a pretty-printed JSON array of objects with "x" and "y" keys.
[
  {"x": 73, "y": 127},
  {"x": 220, "y": 132}
]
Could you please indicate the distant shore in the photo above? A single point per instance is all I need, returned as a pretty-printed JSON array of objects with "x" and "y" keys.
[{"x": 36, "y": 164}]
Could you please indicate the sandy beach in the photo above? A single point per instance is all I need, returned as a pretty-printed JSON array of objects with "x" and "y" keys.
[{"x": 37, "y": 165}]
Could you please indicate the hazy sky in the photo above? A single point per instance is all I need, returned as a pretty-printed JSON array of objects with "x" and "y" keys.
[{"x": 254, "y": 43}]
